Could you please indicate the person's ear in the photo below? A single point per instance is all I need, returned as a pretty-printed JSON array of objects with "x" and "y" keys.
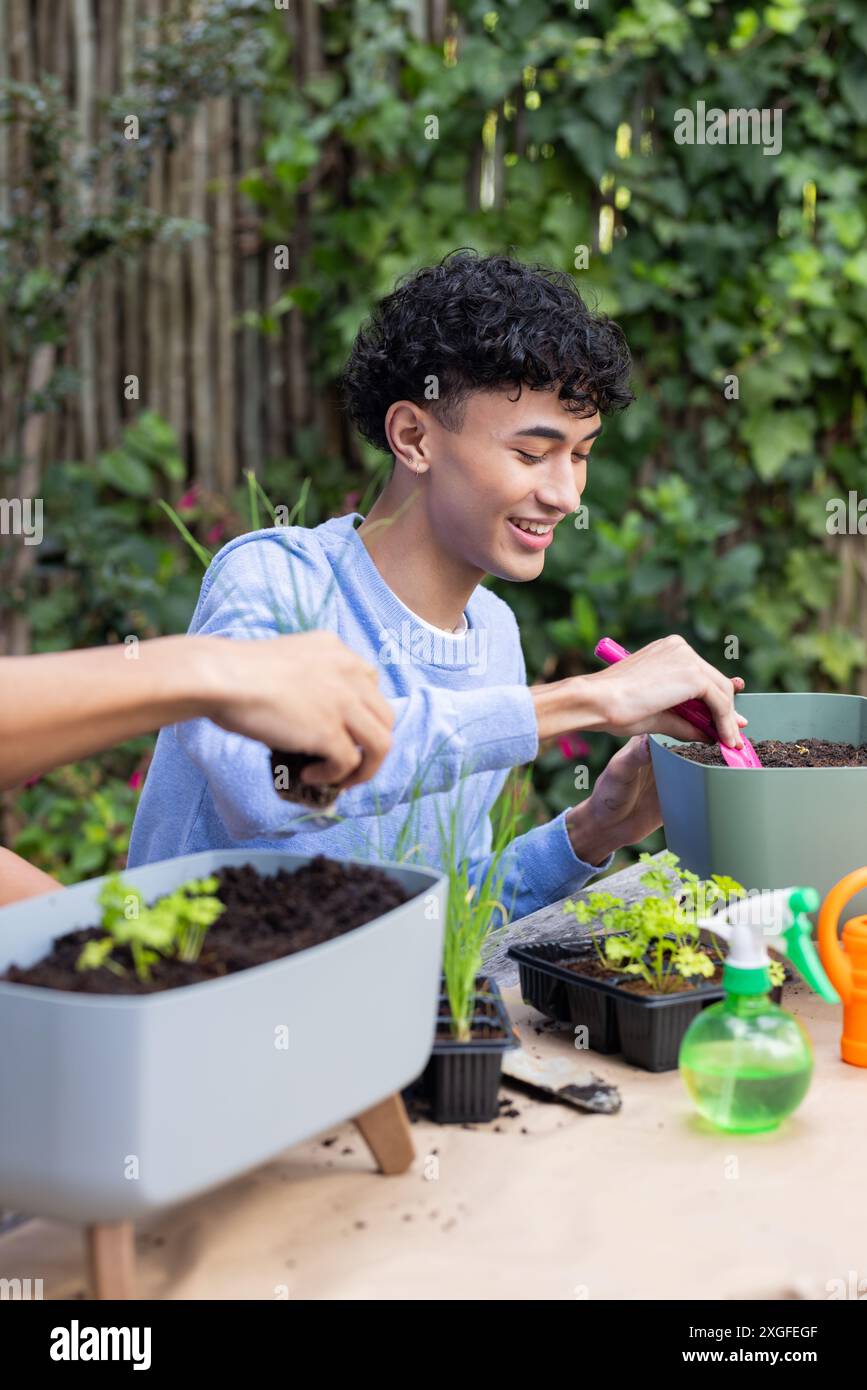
[{"x": 408, "y": 435}]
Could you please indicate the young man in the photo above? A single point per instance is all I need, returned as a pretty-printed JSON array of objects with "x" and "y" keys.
[{"x": 485, "y": 381}]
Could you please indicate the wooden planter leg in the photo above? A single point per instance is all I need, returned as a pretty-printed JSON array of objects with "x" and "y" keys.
[
  {"x": 385, "y": 1130},
  {"x": 111, "y": 1259}
]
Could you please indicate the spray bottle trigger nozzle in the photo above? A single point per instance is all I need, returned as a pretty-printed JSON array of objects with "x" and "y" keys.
[
  {"x": 799, "y": 944},
  {"x": 803, "y": 901}
]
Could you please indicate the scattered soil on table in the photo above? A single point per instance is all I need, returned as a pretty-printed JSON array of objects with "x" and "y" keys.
[
  {"x": 633, "y": 984},
  {"x": 265, "y": 918},
  {"x": 804, "y": 752},
  {"x": 320, "y": 797}
]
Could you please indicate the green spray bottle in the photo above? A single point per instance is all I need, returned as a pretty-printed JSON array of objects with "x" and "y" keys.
[{"x": 746, "y": 1062}]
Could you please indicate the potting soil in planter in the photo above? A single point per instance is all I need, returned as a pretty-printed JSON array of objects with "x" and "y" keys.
[
  {"x": 565, "y": 980},
  {"x": 265, "y": 918},
  {"x": 805, "y": 752},
  {"x": 462, "y": 1078}
]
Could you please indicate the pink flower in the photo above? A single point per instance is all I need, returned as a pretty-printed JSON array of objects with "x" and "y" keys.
[
  {"x": 31, "y": 781},
  {"x": 351, "y": 501},
  {"x": 573, "y": 746},
  {"x": 136, "y": 780},
  {"x": 189, "y": 499},
  {"x": 216, "y": 533}
]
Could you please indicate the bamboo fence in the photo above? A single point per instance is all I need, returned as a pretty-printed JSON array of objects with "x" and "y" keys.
[{"x": 175, "y": 317}]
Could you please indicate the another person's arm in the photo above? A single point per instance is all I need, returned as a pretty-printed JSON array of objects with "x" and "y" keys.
[
  {"x": 306, "y": 692},
  {"x": 18, "y": 879}
]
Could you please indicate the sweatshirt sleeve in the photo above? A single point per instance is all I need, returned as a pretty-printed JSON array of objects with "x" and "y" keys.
[
  {"x": 269, "y": 586},
  {"x": 539, "y": 868}
]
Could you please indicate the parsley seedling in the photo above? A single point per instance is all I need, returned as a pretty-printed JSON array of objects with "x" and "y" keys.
[
  {"x": 657, "y": 938},
  {"x": 175, "y": 926}
]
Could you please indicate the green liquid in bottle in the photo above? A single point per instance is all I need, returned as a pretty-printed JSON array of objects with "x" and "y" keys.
[{"x": 746, "y": 1063}]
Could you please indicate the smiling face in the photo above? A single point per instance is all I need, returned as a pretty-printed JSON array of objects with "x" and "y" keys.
[{"x": 495, "y": 489}]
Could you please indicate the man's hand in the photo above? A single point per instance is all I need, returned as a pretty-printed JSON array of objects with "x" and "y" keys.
[
  {"x": 622, "y": 808},
  {"x": 636, "y": 695},
  {"x": 306, "y": 693}
]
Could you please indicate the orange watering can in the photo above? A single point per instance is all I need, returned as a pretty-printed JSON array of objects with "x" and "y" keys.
[{"x": 846, "y": 964}]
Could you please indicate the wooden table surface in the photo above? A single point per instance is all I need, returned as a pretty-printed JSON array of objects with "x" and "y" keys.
[{"x": 546, "y": 1203}]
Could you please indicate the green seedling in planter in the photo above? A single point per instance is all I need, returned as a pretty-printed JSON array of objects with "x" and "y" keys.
[
  {"x": 658, "y": 938},
  {"x": 475, "y": 909},
  {"x": 174, "y": 927},
  {"x": 195, "y": 909}
]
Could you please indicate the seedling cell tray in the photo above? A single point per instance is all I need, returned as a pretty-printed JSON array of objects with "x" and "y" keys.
[
  {"x": 462, "y": 1079},
  {"x": 646, "y": 1029}
]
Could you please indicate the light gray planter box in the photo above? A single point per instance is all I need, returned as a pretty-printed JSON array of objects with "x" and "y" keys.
[
  {"x": 778, "y": 826},
  {"x": 189, "y": 1087}
]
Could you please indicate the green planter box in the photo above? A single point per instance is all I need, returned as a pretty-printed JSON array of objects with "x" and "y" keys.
[{"x": 778, "y": 826}]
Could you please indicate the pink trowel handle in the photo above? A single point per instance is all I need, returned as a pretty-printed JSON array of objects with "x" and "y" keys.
[{"x": 695, "y": 711}]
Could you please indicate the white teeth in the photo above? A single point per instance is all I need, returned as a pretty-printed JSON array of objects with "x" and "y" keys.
[{"x": 536, "y": 528}]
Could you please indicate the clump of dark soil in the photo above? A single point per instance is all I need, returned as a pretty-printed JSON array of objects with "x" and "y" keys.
[
  {"x": 804, "y": 752},
  {"x": 286, "y": 770},
  {"x": 265, "y": 918}
]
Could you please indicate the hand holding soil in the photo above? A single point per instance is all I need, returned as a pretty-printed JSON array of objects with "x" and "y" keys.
[
  {"x": 307, "y": 693},
  {"x": 312, "y": 696}
]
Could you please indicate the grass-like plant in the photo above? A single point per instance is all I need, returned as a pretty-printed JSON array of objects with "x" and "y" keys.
[
  {"x": 175, "y": 926},
  {"x": 306, "y": 614},
  {"x": 657, "y": 938},
  {"x": 476, "y": 910}
]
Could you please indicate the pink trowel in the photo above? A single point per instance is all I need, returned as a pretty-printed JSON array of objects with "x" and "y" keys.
[{"x": 696, "y": 711}]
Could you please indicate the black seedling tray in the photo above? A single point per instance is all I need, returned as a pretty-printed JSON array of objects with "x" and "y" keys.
[
  {"x": 462, "y": 1079},
  {"x": 647, "y": 1029}
]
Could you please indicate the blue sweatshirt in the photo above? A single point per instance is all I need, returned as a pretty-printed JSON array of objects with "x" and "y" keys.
[{"x": 463, "y": 717}]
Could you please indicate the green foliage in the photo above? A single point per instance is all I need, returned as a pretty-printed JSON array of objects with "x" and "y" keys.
[
  {"x": 656, "y": 938},
  {"x": 108, "y": 567},
  {"x": 76, "y": 821},
  {"x": 174, "y": 927},
  {"x": 722, "y": 262},
  {"x": 707, "y": 515}
]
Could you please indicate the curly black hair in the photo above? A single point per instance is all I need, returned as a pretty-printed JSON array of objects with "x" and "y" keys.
[{"x": 476, "y": 323}]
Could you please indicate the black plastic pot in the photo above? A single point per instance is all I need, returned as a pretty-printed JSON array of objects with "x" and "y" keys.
[
  {"x": 462, "y": 1079},
  {"x": 647, "y": 1029}
]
